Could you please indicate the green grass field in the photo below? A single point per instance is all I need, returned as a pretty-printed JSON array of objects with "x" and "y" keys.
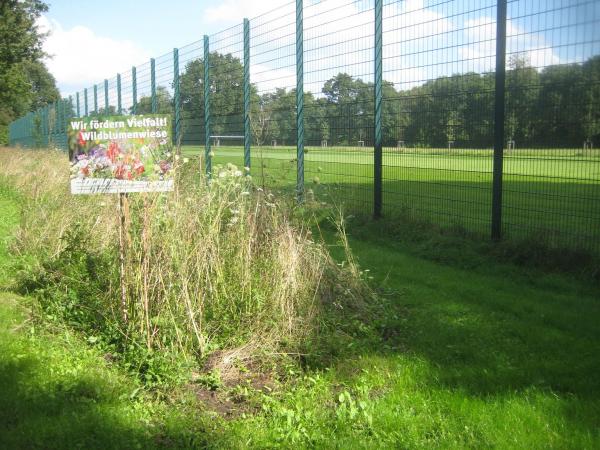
[
  {"x": 471, "y": 354},
  {"x": 549, "y": 195}
]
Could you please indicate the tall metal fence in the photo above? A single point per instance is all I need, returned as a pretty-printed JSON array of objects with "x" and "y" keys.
[{"x": 482, "y": 115}]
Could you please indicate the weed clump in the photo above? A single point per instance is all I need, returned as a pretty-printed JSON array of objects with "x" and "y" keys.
[{"x": 215, "y": 265}]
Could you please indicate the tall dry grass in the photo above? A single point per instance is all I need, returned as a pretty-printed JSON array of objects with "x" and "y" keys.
[{"x": 209, "y": 266}]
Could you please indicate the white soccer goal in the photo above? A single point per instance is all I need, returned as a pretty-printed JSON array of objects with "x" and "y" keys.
[
  {"x": 361, "y": 143},
  {"x": 217, "y": 139},
  {"x": 400, "y": 144},
  {"x": 274, "y": 143},
  {"x": 324, "y": 143},
  {"x": 588, "y": 145},
  {"x": 511, "y": 145}
]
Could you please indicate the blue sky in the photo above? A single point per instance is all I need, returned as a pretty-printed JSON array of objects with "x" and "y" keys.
[
  {"x": 92, "y": 41},
  {"x": 85, "y": 32},
  {"x": 158, "y": 26}
]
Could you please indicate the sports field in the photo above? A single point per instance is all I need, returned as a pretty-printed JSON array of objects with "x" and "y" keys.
[{"x": 552, "y": 195}]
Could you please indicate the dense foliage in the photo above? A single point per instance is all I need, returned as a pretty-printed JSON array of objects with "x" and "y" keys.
[
  {"x": 553, "y": 106},
  {"x": 25, "y": 83}
]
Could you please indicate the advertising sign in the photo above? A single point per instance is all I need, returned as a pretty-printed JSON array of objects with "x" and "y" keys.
[{"x": 120, "y": 154}]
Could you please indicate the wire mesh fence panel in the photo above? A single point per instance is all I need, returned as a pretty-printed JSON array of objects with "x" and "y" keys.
[
  {"x": 551, "y": 168},
  {"x": 164, "y": 88},
  {"x": 127, "y": 92},
  {"x": 438, "y": 100},
  {"x": 112, "y": 96},
  {"x": 144, "y": 89},
  {"x": 338, "y": 102},
  {"x": 226, "y": 65},
  {"x": 273, "y": 110},
  {"x": 191, "y": 66}
]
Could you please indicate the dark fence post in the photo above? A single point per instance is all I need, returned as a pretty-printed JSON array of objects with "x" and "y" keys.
[
  {"x": 106, "y": 101},
  {"x": 154, "y": 107},
  {"x": 207, "y": 155},
  {"x": 300, "y": 100},
  {"x": 176, "y": 98},
  {"x": 499, "y": 119},
  {"x": 247, "y": 130},
  {"x": 96, "y": 99},
  {"x": 133, "y": 90},
  {"x": 119, "y": 99},
  {"x": 378, "y": 143}
]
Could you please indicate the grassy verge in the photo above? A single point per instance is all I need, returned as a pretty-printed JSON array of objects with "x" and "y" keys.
[{"x": 59, "y": 393}]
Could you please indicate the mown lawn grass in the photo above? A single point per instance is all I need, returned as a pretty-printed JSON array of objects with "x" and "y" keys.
[
  {"x": 548, "y": 195},
  {"x": 472, "y": 353},
  {"x": 483, "y": 355}
]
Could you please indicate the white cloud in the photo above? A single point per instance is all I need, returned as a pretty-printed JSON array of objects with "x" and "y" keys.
[
  {"x": 520, "y": 42},
  {"x": 268, "y": 79},
  {"x": 81, "y": 58}
]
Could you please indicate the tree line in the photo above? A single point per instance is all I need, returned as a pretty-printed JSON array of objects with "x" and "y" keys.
[
  {"x": 25, "y": 83},
  {"x": 557, "y": 106}
]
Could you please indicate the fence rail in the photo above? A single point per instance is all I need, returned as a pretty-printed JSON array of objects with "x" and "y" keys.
[{"x": 480, "y": 114}]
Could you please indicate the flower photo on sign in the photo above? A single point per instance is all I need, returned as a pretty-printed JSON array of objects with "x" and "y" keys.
[{"x": 120, "y": 154}]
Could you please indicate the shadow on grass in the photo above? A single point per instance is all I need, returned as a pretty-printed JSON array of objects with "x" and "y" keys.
[
  {"x": 489, "y": 329},
  {"x": 74, "y": 410}
]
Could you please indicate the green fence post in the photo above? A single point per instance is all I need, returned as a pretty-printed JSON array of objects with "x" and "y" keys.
[
  {"x": 16, "y": 132},
  {"x": 48, "y": 127},
  {"x": 56, "y": 127},
  {"x": 44, "y": 126},
  {"x": 38, "y": 128},
  {"x": 153, "y": 85},
  {"x": 61, "y": 122},
  {"x": 176, "y": 99},
  {"x": 96, "y": 99},
  {"x": 207, "y": 155},
  {"x": 70, "y": 115},
  {"x": 34, "y": 131},
  {"x": 299, "y": 100},
  {"x": 247, "y": 130},
  {"x": 133, "y": 90},
  {"x": 106, "y": 101},
  {"x": 77, "y": 100},
  {"x": 499, "y": 120},
  {"x": 119, "y": 104},
  {"x": 30, "y": 139},
  {"x": 377, "y": 150},
  {"x": 85, "y": 102}
]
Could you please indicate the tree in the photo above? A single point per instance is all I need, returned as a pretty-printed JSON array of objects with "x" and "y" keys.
[
  {"x": 164, "y": 103},
  {"x": 226, "y": 98},
  {"x": 559, "y": 106},
  {"x": 42, "y": 84},
  {"x": 522, "y": 91},
  {"x": 349, "y": 109},
  {"x": 591, "y": 98},
  {"x": 20, "y": 46},
  {"x": 260, "y": 119}
]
